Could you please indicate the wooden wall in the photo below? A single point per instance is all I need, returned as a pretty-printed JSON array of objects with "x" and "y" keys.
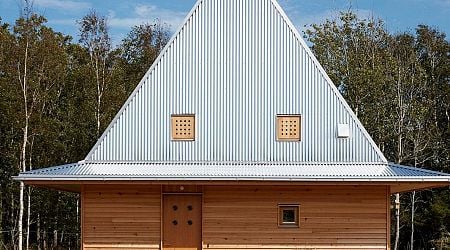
[
  {"x": 241, "y": 217},
  {"x": 121, "y": 217},
  {"x": 331, "y": 217}
]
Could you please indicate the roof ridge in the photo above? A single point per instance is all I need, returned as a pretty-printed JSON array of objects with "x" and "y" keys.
[{"x": 232, "y": 162}]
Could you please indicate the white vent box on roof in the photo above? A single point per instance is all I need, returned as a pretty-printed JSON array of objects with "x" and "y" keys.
[{"x": 343, "y": 131}]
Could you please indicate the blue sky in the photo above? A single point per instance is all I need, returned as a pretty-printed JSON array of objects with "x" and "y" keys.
[{"x": 399, "y": 15}]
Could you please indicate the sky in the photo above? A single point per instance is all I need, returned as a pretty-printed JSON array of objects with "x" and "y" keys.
[{"x": 62, "y": 15}]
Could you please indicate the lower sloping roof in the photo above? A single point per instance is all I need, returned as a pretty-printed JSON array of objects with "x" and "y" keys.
[{"x": 233, "y": 171}]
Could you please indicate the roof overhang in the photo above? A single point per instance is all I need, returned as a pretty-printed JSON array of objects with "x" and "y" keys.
[
  {"x": 395, "y": 187},
  {"x": 71, "y": 177}
]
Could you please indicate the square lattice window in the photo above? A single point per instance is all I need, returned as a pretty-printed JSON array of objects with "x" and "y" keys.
[
  {"x": 183, "y": 127},
  {"x": 288, "y": 127},
  {"x": 288, "y": 215}
]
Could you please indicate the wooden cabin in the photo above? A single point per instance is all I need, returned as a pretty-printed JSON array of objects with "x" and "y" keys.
[{"x": 235, "y": 138}]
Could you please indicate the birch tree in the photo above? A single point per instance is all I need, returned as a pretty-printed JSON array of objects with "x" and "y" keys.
[
  {"x": 354, "y": 53},
  {"x": 405, "y": 75},
  {"x": 26, "y": 30},
  {"x": 95, "y": 38},
  {"x": 58, "y": 79},
  {"x": 39, "y": 65},
  {"x": 70, "y": 87}
]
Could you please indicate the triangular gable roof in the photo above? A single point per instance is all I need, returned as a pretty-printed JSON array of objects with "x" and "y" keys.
[{"x": 235, "y": 64}]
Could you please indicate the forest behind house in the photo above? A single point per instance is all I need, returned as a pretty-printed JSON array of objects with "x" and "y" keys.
[{"x": 59, "y": 93}]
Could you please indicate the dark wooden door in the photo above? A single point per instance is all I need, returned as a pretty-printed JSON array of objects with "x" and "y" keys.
[{"x": 182, "y": 222}]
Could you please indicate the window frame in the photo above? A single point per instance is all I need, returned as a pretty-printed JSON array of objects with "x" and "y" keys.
[
  {"x": 172, "y": 127},
  {"x": 282, "y": 208},
  {"x": 278, "y": 123}
]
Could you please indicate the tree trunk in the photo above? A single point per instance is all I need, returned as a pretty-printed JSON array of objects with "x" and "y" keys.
[
  {"x": 78, "y": 220},
  {"x": 413, "y": 204},
  {"x": 19, "y": 226},
  {"x": 413, "y": 207},
  {"x": 28, "y": 218},
  {"x": 29, "y": 196},
  {"x": 38, "y": 232},
  {"x": 1, "y": 218},
  {"x": 55, "y": 225},
  {"x": 25, "y": 141},
  {"x": 99, "y": 99},
  {"x": 44, "y": 239},
  {"x": 55, "y": 238},
  {"x": 12, "y": 219},
  {"x": 397, "y": 220}
]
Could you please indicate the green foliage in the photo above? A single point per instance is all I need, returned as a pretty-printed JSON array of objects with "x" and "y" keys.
[
  {"x": 399, "y": 86},
  {"x": 63, "y": 126},
  {"x": 139, "y": 49}
]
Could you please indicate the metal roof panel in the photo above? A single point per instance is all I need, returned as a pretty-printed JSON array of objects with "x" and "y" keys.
[
  {"x": 232, "y": 171},
  {"x": 235, "y": 64}
]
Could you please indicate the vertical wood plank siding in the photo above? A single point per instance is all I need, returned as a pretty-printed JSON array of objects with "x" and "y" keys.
[
  {"x": 341, "y": 217},
  {"x": 121, "y": 217},
  {"x": 235, "y": 64}
]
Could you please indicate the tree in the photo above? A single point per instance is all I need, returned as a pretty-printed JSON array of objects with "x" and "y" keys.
[
  {"x": 139, "y": 50},
  {"x": 355, "y": 54},
  {"x": 8, "y": 133},
  {"x": 95, "y": 38},
  {"x": 408, "y": 107},
  {"x": 60, "y": 85},
  {"x": 407, "y": 76},
  {"x": 26, "y": 29}
]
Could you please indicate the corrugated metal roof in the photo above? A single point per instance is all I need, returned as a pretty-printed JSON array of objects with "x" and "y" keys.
[
  {"x": 233, "y": 171},
  {"x": 235, "y": 64}
]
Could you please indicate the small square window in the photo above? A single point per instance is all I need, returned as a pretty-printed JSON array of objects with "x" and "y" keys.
[
  {"x": 289, "y": 127},
  {"x": 183, "y": 127},
  {"x": 288, "y": 215}
]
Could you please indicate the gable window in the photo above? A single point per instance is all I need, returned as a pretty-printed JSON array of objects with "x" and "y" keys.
[
  {"x": 288, "y": 215},
  {"x": 183, "y": 127},
  {"x": 288, "y": 127}
]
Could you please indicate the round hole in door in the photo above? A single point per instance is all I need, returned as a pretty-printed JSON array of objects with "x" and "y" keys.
[
  {"x": 175, "y": 207},
  {"x": 189, "y": 207},
  {"x": 189, "y": 222},
  {"x": 175, "y": 222}
]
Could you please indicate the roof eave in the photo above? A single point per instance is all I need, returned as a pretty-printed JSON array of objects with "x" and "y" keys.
[{"x": 206, "y": 178}]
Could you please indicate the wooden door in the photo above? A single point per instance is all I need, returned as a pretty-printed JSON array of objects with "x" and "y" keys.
[{"x": 182, "y": 222}]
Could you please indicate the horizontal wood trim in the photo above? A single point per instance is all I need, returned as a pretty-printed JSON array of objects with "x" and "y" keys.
[
  {"x": 237, "y": 183},
  {"x": 182, "y": 189},
  {"x": 120, "y": 246},
  {"x": 294, "y": 247},
  {"x": 407, "y": 187},
  {"x": 396, "y": 186}
]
